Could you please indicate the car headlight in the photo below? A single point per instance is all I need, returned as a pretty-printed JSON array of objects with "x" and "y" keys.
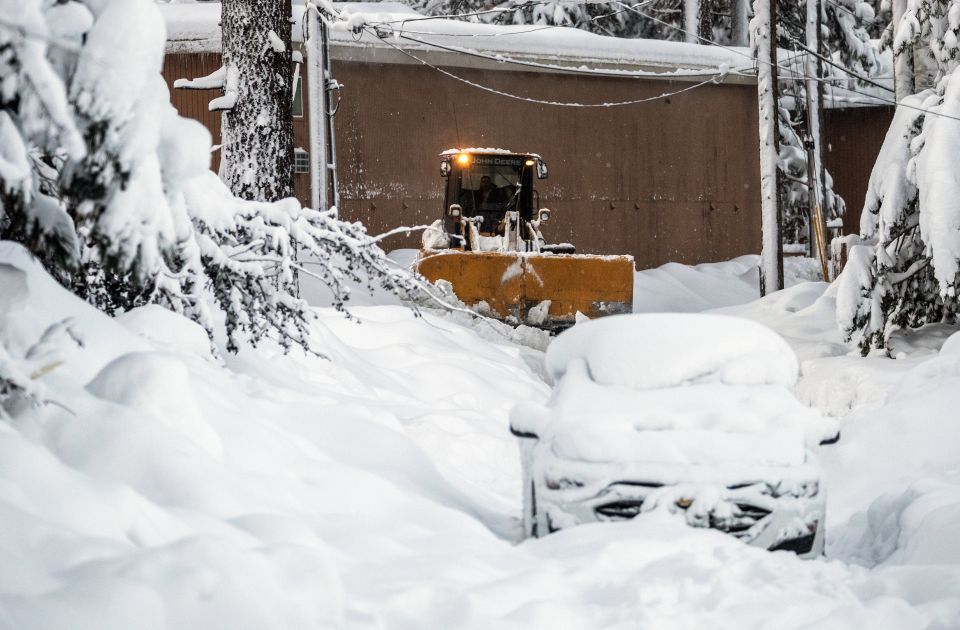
[
  {"x": 800, "y": 490},
  {"x": 562, "y": 483}
]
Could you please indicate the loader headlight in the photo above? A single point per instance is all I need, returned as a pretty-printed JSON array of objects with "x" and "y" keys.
[
  {"x": 529, "y": 163},
  {"x": 463, "y": 159}
]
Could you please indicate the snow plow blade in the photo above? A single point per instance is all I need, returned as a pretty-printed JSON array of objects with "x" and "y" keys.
[{"x": 543, "y": 290}]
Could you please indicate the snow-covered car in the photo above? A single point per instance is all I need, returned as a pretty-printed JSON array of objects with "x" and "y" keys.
[{"x": 688, "y": 413}]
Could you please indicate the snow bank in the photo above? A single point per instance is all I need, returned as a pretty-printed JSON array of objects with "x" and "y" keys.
[
  {"x": 676, "y": 288},
  {"x": 663, "y": 350},
  {"x": 43, "y": 305}
]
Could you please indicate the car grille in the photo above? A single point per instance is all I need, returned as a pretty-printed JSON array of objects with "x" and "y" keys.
[
  {"x": 799, "y": 546},
  {"x": 745, "y": 517},
  {"x": 620, "y": 510}
]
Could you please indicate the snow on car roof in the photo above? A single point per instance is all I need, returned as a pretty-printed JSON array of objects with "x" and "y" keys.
[
  {"x": 656, "y": 350},
  {"x": 194, "y": 27}
]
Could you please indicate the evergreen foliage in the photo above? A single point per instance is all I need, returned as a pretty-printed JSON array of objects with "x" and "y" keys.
[
  {"x": 906, "y": 273},
  {"x": 111, "y": 189}
]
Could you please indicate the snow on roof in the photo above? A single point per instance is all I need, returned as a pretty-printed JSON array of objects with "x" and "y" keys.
[{"x": 194, "y": 27}]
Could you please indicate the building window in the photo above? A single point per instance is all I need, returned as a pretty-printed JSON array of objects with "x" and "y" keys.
[
  {"x": 297, "y": 96},
  {"x": 301, "y": 161}
]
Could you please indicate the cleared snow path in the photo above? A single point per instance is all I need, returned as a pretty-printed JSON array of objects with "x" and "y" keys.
[{"x": 379, "y": 490}]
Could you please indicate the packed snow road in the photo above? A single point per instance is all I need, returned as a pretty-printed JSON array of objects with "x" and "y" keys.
[{"x": 380, "y": 488}]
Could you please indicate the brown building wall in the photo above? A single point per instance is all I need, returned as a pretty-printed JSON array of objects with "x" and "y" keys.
[
  {"x": 673, "y": 179},
  {"x": 853, "y": 138}
]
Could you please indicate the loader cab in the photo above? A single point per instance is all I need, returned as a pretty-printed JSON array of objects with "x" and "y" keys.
[{"x": 488, "y": 185}]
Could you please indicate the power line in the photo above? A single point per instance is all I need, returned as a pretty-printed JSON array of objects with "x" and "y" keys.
[
  {"x": 626, "y": 74},
  {"x": 518, "y": 97},
  {"x": 742, "y": 54},
  {"x": 674, "y": 26},
  {"x": 902, "y": 104},
  {"x": 713, "y": 79},
  {"x": 837, "y": 5},
  {"x": 839, "y": 67}
]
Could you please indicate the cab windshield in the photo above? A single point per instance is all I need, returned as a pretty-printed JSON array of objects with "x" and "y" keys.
[{"x": 490, "y": 184}]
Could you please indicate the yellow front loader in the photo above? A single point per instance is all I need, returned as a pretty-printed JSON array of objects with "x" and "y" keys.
[{"x": 490, "y": 247}]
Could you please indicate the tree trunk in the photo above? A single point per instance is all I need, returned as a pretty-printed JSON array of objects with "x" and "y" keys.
[
  {"x": 691, "y": 21},
  {"x": 257, "y": 143},
  {"x": 705, "y": 21},
  {"x": 903, "y": 62},
  {"x": 739, "y": 31}
]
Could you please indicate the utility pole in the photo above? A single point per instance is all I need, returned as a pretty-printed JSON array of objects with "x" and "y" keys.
[
  {"x": 317, "y": 109},
  {"x": 814, "y": 140},
  {"x": 765, "y": 40}
]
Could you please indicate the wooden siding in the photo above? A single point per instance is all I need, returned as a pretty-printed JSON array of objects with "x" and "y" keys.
[
  {"x": 853, "y": 138},
  {"x": 674, "y": 179}
]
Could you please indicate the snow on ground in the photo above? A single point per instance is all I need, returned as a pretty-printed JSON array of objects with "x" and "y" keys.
[
  {"x": 380, "y": 489},
  {"x": 676, "y": 288}
]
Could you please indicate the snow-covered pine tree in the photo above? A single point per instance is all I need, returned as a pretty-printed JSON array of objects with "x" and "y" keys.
[
  {"x": 846, "y": 31},
  {"x": 845, "y": 38},
  {"x": 666, "y": 17},
  {"x": 37, "y": 128},
  {"x": 94, "y": 158},
  {"x": 906, "y": 273},
  {"x": 257, "y": 143}
]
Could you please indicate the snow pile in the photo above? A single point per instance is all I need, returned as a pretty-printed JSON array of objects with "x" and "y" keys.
[{"x": 676, "y": 288}]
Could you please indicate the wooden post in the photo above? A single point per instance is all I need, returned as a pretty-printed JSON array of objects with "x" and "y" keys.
[{"x": 814, "y": 141}]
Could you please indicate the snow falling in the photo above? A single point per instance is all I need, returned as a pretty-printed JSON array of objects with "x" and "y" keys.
[{"x": 222, "y": 409}]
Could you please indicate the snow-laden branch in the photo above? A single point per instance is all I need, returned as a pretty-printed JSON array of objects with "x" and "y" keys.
[
  {"x": 216, "y": 80},
  {"x": 231, "y": 85}
]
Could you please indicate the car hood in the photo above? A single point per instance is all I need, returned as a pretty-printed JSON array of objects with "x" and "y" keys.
[{"x": 709, "y": 423}]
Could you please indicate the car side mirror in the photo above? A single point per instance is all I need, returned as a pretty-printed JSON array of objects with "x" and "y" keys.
[
  {"x": 541, "y": 169},
  {"x": 445, "y": 168},
  {"x": 455, "y": 211},
  {"x": 544, "y": 214},
  {"x": 528, "y": 420},
  {"x": 832, "y": 439}
]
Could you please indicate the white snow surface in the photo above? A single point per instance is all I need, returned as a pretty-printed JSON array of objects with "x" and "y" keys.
[{"x": 173, "y": 489}]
